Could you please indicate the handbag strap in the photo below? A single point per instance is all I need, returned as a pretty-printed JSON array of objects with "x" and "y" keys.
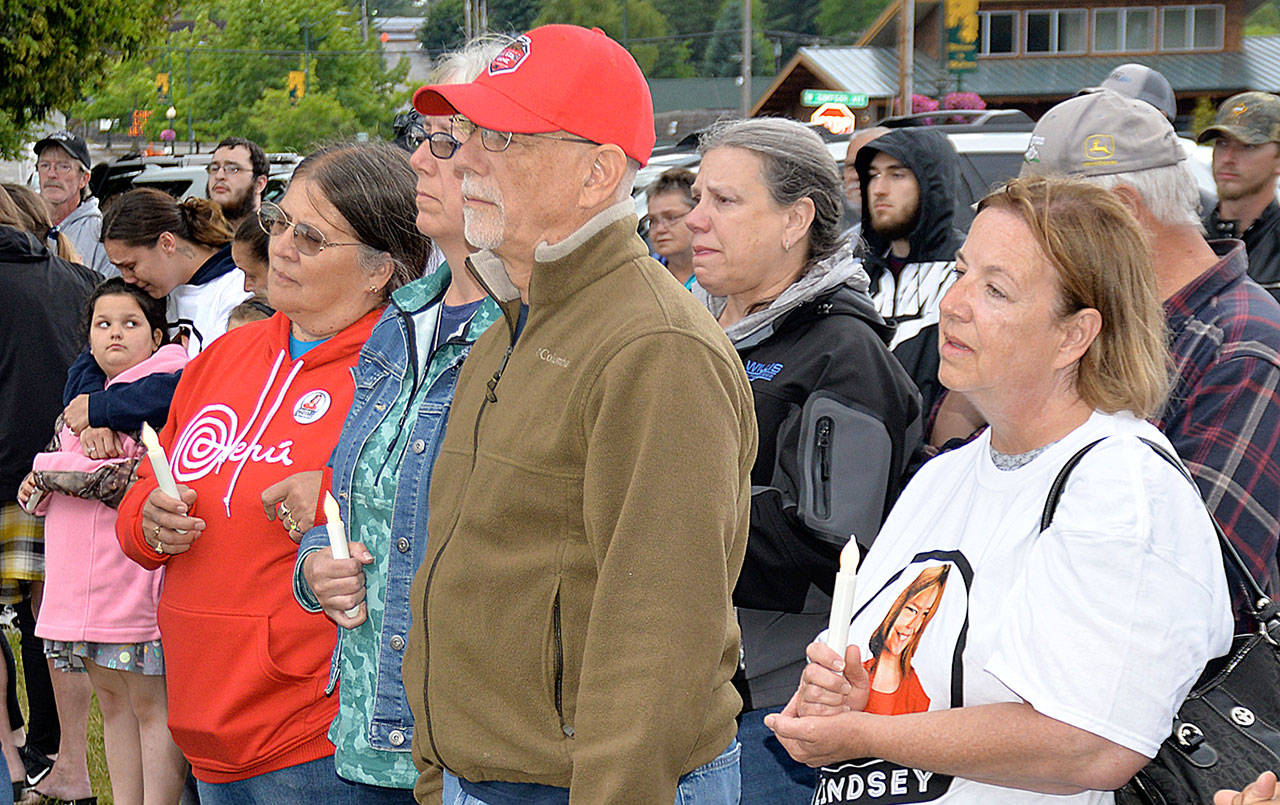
[{"x": 1261, "y": 606}]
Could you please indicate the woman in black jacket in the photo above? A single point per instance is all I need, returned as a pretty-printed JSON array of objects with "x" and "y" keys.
[{"x": 838, "y": 416}]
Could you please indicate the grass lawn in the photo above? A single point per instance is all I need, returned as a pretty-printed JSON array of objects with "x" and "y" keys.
[{"x": 97, "y": 759}]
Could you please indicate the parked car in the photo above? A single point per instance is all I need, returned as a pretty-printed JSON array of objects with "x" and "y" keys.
[
  {"x": 180, "y": 176},
  {"x": 990, "y": 145}
]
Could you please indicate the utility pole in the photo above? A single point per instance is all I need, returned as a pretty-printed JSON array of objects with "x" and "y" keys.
[
  {"x": 306, "y": 56},
  {"x": 191, "y": 137},
  {"x": 906, "y": 50},
  {"x": 744, "y": 77}
]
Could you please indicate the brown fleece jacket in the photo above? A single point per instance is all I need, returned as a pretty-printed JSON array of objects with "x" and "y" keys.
[{"x": 572, "y": 621}]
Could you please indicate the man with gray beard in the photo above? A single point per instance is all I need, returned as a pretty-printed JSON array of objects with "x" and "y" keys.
[{"x": 573, "y": 635}]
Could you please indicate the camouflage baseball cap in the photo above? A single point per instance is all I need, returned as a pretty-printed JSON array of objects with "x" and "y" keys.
[{"x": 1250, "y": 117}]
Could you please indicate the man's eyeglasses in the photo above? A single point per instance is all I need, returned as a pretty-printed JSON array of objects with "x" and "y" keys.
[
  {"x": 442, "y": 143},
  {"x": 229, "y": 168},
  {"x": 306, "y": 238},
  {"x": 499, "y": 141},
  {"x": 665, "y": 221},
  {"x": 55, "y": 167}
]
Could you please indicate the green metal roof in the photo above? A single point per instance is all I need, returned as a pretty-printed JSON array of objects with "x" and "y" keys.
[{"x": 672, "y": 94}]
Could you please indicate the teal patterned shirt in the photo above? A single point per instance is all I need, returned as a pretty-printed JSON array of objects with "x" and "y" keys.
[{"x": 373, "y": 493}]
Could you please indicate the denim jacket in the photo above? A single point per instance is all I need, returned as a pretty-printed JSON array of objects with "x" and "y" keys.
[{"x": 381, "y": 472}]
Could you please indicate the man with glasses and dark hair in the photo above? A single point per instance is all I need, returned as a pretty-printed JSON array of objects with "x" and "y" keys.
[
  {"x": 63, "y": 164},
  {"x": 237, "y": 177},
  {"x": 573, "y": 634}
]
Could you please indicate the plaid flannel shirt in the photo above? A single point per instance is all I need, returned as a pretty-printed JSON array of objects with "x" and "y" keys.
[{"x": 1223, "y": 414}]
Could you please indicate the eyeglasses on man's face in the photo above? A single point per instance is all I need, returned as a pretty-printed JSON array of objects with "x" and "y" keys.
[
  {"x": 499, "y": 141},
  {"x": 442, "y": 143},
  {"x": 665, "y": 221},
  {"x": 306, "y": 238},
  {"x": 229, "y": 168},
  {"x": 60, "y": 168}
]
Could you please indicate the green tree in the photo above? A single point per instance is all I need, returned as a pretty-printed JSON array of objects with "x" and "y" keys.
[
  {"x": 239, "y": 61},
  {"x": 443, "y": 30},
  {"x": 847, "y": 18},
  {"x": 658, "y": 59},
  {"x": 317, "y": 118},
  {"x": 133, "y": 86},
  {"x": 397, "y": 8},
  {"x": 512, "y": 16},
  {"x": 1265, "y": 19},
  {"x": 54, "y": 52},
  {"x": 791, "y": 23},
  {"x": 724, "y": 52}
]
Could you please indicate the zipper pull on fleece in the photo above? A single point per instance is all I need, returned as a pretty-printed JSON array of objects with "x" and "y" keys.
[{"x": 492, "y": 395}]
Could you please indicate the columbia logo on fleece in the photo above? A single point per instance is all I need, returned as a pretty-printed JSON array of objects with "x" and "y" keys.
[
  {"x": 552, "y": 358},
  {"x": 762, "y": 371}
]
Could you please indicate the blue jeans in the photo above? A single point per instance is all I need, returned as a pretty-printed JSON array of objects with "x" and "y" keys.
[
  {"x": 715, "y": 783},
  {"x": 305, "y": 784},
  {"x": 769, "y": 775}
]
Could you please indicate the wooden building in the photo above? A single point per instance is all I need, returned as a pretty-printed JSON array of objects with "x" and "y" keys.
[{"x": 1032, "y": 54}]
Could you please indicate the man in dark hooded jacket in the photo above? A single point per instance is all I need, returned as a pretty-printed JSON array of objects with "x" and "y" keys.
[{"x": 908, "y": 179}]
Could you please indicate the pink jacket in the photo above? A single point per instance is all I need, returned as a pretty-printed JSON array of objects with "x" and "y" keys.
[{"x": 93, "y": 592}]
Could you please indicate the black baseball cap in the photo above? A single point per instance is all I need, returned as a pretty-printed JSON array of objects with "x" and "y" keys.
[{"x": 73, "y": 144}]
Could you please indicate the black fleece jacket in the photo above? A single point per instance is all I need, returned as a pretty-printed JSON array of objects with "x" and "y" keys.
[
  {"x": 838, "y": 420},
  {"x": 42, "y": 299}
]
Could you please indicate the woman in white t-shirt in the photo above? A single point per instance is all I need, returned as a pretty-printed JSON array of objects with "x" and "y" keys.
[{"x": 1054, "y": 661}]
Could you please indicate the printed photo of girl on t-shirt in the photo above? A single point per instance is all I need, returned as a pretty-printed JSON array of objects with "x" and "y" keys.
[{"x": 895, "y": 687}]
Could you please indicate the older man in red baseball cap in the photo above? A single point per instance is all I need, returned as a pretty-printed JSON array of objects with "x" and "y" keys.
[{"x": 573, "y": 635}]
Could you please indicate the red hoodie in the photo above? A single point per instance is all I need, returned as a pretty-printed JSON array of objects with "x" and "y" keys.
[{"x": 246, "y": 666}]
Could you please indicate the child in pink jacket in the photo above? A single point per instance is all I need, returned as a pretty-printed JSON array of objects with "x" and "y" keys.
[{"x": 99, "y": 608}]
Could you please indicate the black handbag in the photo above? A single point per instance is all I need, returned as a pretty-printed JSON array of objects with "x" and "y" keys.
[{"x": 1227, "y": 731}]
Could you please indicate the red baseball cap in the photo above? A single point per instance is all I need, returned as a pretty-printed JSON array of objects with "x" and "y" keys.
[{"x": 556, "y": 78}]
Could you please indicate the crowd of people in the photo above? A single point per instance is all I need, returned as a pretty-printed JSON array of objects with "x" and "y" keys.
[{"x": 470, "y": 494}]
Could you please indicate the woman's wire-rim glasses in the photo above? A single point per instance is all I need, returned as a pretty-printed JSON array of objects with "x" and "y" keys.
[{"x": 306, "y": 238}]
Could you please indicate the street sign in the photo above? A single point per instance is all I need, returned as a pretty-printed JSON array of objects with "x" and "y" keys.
[
  {"x": 836, "y": 117},
  {"x": 818, "y": 97}
]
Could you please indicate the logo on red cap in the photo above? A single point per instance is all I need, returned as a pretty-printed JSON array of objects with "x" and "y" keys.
[{"x": 511, "y": 57}]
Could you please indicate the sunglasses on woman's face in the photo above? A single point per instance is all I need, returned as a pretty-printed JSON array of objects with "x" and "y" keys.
[{"x": 306, "y": 238}]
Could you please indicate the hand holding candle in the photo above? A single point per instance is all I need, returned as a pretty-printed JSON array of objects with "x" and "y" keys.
[
  {"x": 337, "y": 537},
  {"x": 159, "y": 462},
  {"x": 842, "y": 598}
]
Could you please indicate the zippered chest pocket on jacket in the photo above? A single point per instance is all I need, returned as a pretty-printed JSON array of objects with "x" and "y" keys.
[{"x": 845, "y": 460}]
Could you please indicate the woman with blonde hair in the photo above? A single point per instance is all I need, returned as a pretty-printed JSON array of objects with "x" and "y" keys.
[
  {"x": 1063, "y": 664},
  {"x": 35, "y": 217}
]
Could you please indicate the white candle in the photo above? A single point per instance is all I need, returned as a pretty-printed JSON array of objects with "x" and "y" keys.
[
  {"x": 159, "y": 462},
  {"x": 842, "y": 599},
  {"x": 337, "y": 537}
]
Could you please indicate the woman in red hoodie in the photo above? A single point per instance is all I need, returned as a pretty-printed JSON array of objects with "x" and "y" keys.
[{"x": 248, "y": 669}]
